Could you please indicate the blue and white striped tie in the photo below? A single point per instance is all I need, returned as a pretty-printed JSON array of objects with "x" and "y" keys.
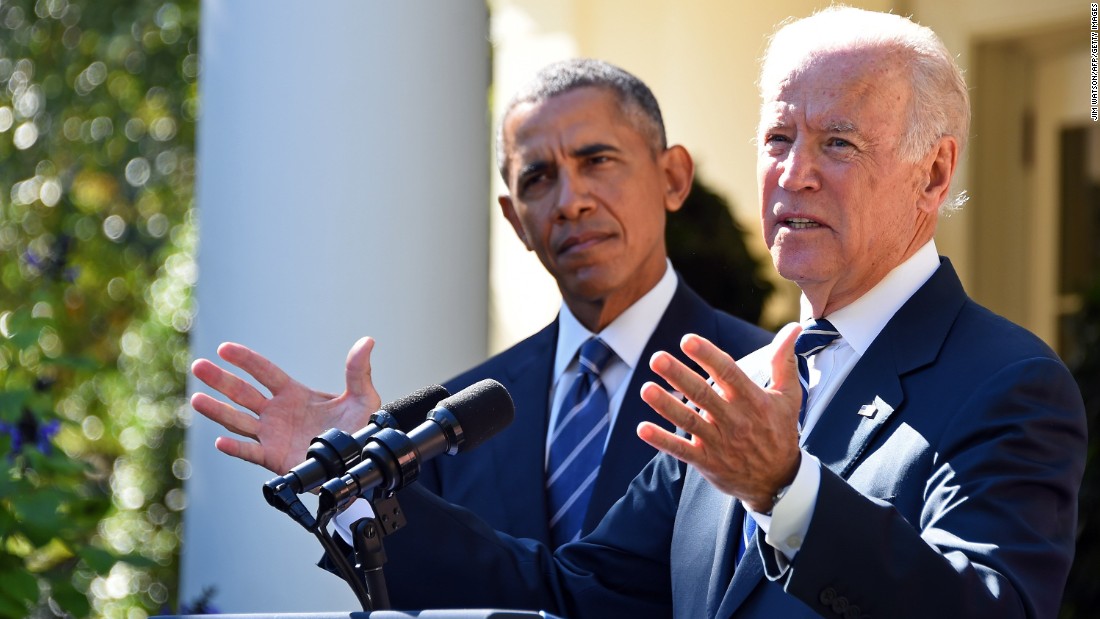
[
  {"x": 815, "y": 337},
  {"x": 576, "y": 446}
]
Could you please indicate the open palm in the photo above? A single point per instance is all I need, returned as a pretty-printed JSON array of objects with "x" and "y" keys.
[{"x": 281, "y": 425}]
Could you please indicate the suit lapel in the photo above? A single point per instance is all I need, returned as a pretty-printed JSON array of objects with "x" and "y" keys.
[
  {"x": 748, "y": 573},
  {"x": 736, "y": 584},
  {"x": 627, "y": 453},
  {"x": 843, "y": 433},
  {"x": 703, "y": 543},
  {"x": 872, "y": 393},
  {"x": 528, "y": 380}
]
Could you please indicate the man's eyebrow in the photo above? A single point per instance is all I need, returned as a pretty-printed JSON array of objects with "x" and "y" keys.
[
  {"x": 593, "y": 149},
  {"x": 836, "y": 126},
  {"x": 533, "y": 167},
  {"x": 541, "y": 165},
  {"x": 772, "y": 124},
  {"x": 841, "y": 126}
]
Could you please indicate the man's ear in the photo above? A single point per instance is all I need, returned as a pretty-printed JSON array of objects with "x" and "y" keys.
[
  {"x": 510, "y": 214},
  {"x": 679, "y": 170},
  {"x": 939, "y": 169}
]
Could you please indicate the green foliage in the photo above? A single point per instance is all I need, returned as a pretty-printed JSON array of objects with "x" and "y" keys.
[
  {"x": 97, "y": 115},
  {"x": 707, "y": 247}
]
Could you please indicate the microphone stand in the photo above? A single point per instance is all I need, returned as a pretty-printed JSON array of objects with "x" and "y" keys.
[
  {"x": 390, "y": 459},
  {"x": 366, "y": 578},
  {"x": 281, "y": 496},
  {"x": 370, "y": 554},
  {"x": 395, "y": 455}
]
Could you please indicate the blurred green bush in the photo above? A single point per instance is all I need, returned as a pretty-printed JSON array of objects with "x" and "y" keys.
[
  {"x": 709, "y": 249},
  {"x": 98, "y": 102}
]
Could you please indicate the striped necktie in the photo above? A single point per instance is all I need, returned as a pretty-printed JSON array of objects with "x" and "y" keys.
[
  {"x": 576, "y": 446},
  {"x": 815, "y": 337}
]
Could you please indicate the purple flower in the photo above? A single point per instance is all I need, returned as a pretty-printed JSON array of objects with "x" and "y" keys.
[
  {"x": 54, "y": 262},
  {"x": 30, "y": 431},
  {"x": 16, "y": 436},
  {"x": 33, "y": 260},
  {"x": 45, "y": 432}
]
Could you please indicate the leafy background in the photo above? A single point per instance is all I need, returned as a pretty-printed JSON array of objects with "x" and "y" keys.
[{"x": 98, "y": 104}]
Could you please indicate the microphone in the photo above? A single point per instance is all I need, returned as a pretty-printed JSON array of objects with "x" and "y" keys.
[
  {"x": 334, "y": 451},
  {"x": 391, "y": 459}
]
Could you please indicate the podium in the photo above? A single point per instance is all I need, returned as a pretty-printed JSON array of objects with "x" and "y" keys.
[{"x": 474, "y": 613}]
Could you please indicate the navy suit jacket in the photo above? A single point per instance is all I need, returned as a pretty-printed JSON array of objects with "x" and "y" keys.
[
  {"x": 956, "y": 498},
  {"x": 502, "y": 480}
]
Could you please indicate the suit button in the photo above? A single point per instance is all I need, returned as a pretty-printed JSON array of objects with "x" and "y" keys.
[
  {"x": 827, "y": 596},
  {"x": 852, "y": 612},
  {"x": 840, "y": 605}
]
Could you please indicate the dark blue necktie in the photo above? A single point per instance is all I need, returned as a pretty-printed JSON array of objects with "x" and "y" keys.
[
  {"x": 576, "y": 446},
  {"x": 815, "y": 337}
]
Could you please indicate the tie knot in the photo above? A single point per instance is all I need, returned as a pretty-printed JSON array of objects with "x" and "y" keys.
[
  {"x": 595, "y": 356},
  {"x": 816, "y": 335}
]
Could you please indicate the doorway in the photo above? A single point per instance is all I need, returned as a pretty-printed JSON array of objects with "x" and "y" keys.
[{"x": 1035, "y": 177}]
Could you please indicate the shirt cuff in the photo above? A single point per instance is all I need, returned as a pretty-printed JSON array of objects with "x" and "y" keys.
[
  {"x": 790, "y": 518},
  {"x": 351, "y": 514}
]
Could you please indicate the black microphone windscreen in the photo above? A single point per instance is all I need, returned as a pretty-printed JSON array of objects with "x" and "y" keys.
[
  {"x": 482, "y": 409},
  {"x": 411, "y": 410}
]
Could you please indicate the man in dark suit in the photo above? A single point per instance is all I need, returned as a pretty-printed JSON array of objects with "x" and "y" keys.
[
  {"x": 591, "y": 178},
  {"x": 931, "y": 463},
  {"x": 495, "y": 480}
]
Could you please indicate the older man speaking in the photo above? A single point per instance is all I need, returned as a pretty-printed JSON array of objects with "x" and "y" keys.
[{"x": 902, "y": 453}]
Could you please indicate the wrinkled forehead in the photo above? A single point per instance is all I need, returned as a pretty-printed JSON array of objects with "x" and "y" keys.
[
  {"x": 565, "y": 121},
  {"x": 537, "y": 126},
  {"x": 835, "y": 88},
  {"x": 851, "y": 63}
]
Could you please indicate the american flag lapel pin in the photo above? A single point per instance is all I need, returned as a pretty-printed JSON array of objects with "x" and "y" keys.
[{"x": 878, "y": 406}]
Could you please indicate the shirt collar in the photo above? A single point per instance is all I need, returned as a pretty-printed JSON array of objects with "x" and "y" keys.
[
  {"x": 627, "y": 335},
  {"x": 861, "y": 321}
]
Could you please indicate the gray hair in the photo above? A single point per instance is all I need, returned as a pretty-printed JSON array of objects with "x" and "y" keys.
[
  {"x": 636, "y": 101},
  {"x": 939, "y": 105}
]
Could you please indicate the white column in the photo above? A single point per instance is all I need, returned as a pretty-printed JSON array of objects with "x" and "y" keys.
[{"x": 343, "y": 150}]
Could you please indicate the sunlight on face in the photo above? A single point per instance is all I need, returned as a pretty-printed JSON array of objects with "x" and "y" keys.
[
  {"x": 587, "y": 195},
  {"x": 838, "y": 206}
]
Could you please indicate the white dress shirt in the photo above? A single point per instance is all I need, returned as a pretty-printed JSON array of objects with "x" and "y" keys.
[
  {"x": 626, "y": 336},
  {"x": 859, "y": 323}
]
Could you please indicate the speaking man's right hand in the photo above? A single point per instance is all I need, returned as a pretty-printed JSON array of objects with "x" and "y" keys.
[{"x": 281, "y": 426}]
